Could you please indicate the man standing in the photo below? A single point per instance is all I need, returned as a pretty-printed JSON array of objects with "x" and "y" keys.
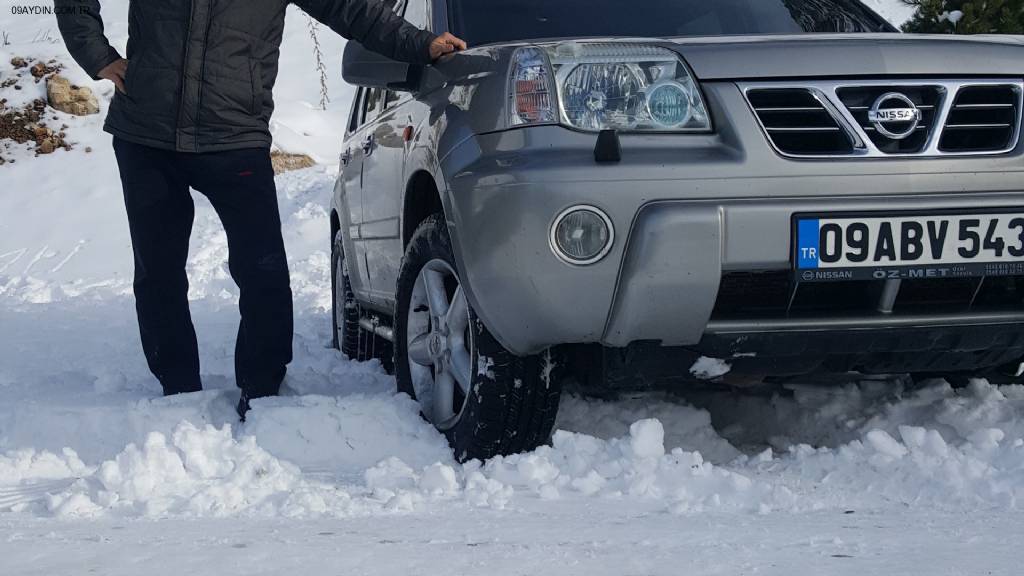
[{"x": 191, "y": 110}]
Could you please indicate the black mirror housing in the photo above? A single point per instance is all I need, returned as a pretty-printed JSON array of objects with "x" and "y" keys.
[{"x": 363, "y": 67}]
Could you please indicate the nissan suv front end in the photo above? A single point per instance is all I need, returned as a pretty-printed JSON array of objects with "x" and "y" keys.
[{"x": 615, "y": 193}]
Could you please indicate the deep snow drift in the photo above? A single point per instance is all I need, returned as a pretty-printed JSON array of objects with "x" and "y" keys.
[{"x": 341, "y": 474}]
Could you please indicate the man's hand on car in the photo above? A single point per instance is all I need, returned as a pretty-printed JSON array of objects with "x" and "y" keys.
[
  {"x": 116, "y": 72},
  {"x": 445, "y": 44}
]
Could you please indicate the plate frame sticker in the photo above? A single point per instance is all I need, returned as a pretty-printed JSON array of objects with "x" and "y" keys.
[{"x": 808, "y": 235}]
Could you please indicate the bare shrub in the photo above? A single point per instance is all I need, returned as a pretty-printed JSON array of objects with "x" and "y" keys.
[{"x": 320, "y": 67}]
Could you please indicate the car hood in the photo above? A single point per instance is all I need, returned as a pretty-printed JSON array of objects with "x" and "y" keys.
[{"x": 804, "y": 56}]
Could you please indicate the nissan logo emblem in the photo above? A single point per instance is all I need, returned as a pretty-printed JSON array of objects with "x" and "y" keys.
[{"x": 894, "y": 115}]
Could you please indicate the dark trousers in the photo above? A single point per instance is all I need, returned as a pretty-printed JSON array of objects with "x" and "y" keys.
[{"x": 240, "y": 185}]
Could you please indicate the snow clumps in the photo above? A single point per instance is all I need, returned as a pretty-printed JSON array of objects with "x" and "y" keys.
[{"x": 197, "y": 472}]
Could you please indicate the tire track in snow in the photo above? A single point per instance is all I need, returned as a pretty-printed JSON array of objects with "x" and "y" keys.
[
  {"x": 72, "y": 254},
  {"x": 12, "y": 498},
  {"x": 44, "y": 252},
  {"x": 14, "y": 256}
]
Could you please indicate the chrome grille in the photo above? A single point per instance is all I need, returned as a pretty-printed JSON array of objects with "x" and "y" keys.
[
  {"x": 983, "y": 118},
  {"x": 798, "y": 122},
  {"x": 829, "y": 119}
]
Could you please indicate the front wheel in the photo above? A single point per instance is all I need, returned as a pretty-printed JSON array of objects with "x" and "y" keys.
[{"x": 484, "y": 399}]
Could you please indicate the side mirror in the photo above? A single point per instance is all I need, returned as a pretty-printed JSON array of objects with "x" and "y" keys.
[{"x": 363, "y": 67}]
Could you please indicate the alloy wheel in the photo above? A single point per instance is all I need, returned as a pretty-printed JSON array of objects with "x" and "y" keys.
[{"x": 440, "y": 344}]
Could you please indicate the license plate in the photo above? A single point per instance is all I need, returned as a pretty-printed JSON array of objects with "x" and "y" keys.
[{"x": 908, "y": 246}]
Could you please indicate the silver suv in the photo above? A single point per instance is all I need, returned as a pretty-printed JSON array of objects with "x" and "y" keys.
[{"x": 641, "y": 195}]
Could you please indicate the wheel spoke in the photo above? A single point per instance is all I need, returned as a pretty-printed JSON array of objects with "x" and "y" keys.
[
  {"x": 444, "y": 397},
  {"x": 437, "y": 297},
  {"x": 458, "y": 312},
  {"x": 460, "y": 368},
  {"x": 419, "y": 350}
]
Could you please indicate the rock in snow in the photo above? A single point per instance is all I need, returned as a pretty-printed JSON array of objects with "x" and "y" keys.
[{"x": 71, "y": 99}]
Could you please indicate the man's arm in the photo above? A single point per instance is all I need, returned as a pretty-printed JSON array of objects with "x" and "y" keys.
[
  {"x": 375, "y": 25},
  {"x": 82, "y": 28}
]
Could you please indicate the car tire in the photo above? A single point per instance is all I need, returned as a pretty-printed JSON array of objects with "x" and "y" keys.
[
  {"x": 345, "y": 310},
  {"x": 505, "y": 403},
  {"x": 355, "y": 342}
]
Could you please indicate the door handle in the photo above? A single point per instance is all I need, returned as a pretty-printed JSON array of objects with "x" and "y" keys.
[{"x": 368, "y": 145}]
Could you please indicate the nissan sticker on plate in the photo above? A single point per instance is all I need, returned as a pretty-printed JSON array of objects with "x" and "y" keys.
[{"x": 909, "y": 246}]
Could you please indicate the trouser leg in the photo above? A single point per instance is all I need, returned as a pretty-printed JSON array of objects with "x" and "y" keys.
[
  {"x": 240, "y": 185},
  {"x": 160, "y": 214}
]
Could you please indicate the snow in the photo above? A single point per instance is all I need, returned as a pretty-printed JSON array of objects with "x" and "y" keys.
[
  {"x": 709, "y": 368},
  {"x": 195, "y": 472},
  {"x": 953, "y": 16},
  {"x": 341, "y": 475},
  {"x": 647, "y": 438},
  {"x": 895, "y": 11}
]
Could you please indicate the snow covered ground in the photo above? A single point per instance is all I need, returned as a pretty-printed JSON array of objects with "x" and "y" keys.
[{"x": 100, "y": 475}]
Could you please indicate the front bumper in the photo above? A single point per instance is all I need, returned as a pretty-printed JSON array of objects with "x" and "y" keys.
[{"x": 687, "y": 209}]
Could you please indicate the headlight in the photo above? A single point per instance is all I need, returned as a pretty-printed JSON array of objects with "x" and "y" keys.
[{"x": 601, "y": 86}]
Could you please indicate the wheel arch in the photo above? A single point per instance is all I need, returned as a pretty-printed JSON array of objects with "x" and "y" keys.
[
  {"x": 335, "y": 224},
  {"x": 421, "y": 199},
  {"x": 426, "y": 193}
]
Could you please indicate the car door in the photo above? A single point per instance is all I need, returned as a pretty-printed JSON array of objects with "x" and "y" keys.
[
  {"x": 364, "y": 111},
  {"x": 384, "y": 181}
]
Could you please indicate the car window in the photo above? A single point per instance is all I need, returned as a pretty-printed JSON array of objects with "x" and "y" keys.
[
  {"x": 488, "y": 21},
  {"x": 356, "y": 116},
  {"x": 417, "y": 14},
  {"x": 391, "y": 98},
  {"x": 372, "y": 105}
]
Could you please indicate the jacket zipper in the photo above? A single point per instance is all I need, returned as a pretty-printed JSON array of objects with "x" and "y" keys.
[
  {"x": 184, "y": 70},
  {"x": 202, "y": 68}
]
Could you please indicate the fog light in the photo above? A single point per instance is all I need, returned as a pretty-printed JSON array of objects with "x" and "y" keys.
[{"x": 582, "y": 235}]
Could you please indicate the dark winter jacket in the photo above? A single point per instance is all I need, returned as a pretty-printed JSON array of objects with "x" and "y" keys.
[{"x": 201, "y": 72}]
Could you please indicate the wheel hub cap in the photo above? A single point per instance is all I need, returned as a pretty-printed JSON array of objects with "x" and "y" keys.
[{"x": 437, "y": 345}]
